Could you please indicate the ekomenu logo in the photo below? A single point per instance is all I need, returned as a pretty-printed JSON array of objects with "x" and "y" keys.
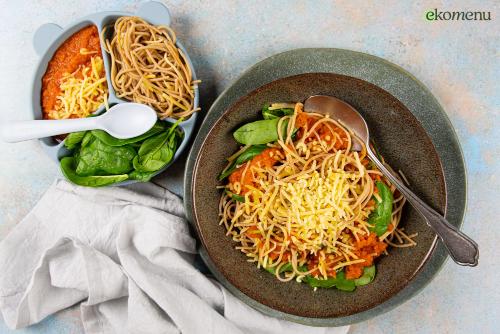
[{"x": 437, "y": 15}]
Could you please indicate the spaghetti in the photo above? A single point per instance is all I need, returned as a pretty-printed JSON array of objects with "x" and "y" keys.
[
  {"x": 147, "y": 67},
  {"x": 307, "y": 206}
]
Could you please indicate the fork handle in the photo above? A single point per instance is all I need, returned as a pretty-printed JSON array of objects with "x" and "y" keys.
[{"x": 462, "y": 249}]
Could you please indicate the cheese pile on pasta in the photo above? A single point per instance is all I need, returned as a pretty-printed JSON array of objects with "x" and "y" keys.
[
  {"x": 305, "y": 201},
  {"x": 82, "y": 92}
]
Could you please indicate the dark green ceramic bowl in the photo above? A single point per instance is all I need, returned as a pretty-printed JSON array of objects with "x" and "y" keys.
[{"x": 404, "y": 141}]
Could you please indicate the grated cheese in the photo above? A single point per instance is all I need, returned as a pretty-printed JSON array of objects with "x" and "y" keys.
[
  {"x": 320, "y": 206},
  {"x": 82, "y": 92}
]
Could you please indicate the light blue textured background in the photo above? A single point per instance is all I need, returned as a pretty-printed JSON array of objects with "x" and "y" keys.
[{"x": 458, "y": 61}]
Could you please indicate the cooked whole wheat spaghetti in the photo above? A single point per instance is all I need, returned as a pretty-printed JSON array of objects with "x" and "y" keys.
[
  {"x": 147, "y": 67},
  {"x": 306, "y": 201}
]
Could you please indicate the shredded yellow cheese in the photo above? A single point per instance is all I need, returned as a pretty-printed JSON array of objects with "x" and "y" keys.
[
  {"x": 317, "y": 208},
  {"x": 85, "y": 51},
  {"x": 82, "y": 92}
]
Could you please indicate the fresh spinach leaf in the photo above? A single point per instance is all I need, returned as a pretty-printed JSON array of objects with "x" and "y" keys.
[
  {"x": 228, "y": 171},
  {"x": 97, "y": 158},
  {"x": 141, "y": 176},
  {"x": 236, "y": 197},
  {"x": 284, "y": 268},
  {"x": 100, "y": 159},
  {"x": 136, "y": 145},
  {"x": 340, "y": 282},
  {"x": 73, "y": 139},
  {"x": 153, "y": 143},
  {"x": 76, "y": 156},
  {"x": 343, "y": 283},
  {"x": 275, "y": 113},
  {"x": 68, "y": 169},
  {"x": 367, "y": 277},
  {"x": 109, "y": 140},
  {"x": 258, "y": 132},
  {"x": 380, "y": 218},
  {"x": 250, "y": 153},
  {"x": 157, "y": 151},
  {"x": 245, "y": 156},
  {"x": 320, "y": 283},
  {"x": 87, "y": 139}
]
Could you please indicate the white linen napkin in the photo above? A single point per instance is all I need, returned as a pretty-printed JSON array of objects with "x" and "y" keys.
[{"x": 126, "y": 255}]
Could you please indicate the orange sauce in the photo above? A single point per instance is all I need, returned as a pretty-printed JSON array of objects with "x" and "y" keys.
[
  {"x": 265, "y": 159},
  {"x": 326, "y": 133},
  {"x": 367, "y": 248},
  {"x": 67, "y": 59}
]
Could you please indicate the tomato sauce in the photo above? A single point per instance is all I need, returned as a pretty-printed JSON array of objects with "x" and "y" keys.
[
  {"x": 265, "y": 159},
  {"x": 305, "y": 122},
  {"x": 367, "y": 248},
  {"x": 67, "y": 59}
]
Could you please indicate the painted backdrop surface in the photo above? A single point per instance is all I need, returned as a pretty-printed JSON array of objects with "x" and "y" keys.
[{"x": 458, "y": 61}]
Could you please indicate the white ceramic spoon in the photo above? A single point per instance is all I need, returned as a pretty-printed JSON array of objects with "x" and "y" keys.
[{"x": 126, "y": 120}]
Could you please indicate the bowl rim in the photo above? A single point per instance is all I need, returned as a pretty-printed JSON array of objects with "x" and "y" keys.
[{"x": 436, "y": 256}]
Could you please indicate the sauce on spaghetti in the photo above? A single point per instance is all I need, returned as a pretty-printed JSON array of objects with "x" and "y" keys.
[{"x": 244, "y": 175}]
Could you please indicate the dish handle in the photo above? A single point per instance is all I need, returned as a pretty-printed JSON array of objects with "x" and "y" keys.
[
  {"x": 44, "y": 36},
  {"x": 155, "y": 13}
]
